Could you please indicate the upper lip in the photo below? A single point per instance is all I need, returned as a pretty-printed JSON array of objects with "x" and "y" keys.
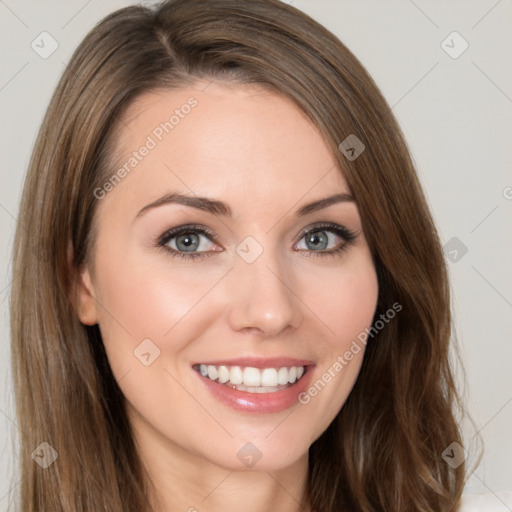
[{"x": 258, "y": 362}]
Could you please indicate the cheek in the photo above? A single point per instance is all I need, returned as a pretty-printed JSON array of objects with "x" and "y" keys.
[
  {"x": 357, "y": 303},
  {"x": 346, "y": 306},
  {"x": 166, "y": 303},
  {"x": 344, "y": 299}
]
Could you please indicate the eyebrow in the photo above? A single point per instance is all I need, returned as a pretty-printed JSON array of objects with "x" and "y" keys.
[{"x": 222, "y": 209}]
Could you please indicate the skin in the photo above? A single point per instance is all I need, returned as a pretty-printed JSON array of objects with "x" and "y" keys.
[{"x": 256, "y": 151}]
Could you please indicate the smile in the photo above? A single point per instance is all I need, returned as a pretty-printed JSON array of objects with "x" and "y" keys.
[
  {"x": 256, "y": 385},
  {"x": 250, "y": 379}
]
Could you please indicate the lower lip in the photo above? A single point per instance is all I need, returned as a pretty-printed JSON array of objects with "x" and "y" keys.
[{"x": 259, "y": 403}]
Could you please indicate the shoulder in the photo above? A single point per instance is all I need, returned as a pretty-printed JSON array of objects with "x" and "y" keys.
[{"x": 491, "y": 502}]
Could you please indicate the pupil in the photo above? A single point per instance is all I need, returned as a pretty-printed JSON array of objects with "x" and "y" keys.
[
  {"x": 186, "y": 240},
  {"x": 315, "y": 239}
]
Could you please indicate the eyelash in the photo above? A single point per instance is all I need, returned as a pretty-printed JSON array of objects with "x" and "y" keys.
[{"x": 346, "y": 234}]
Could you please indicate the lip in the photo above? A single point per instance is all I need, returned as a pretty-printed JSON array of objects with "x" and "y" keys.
[{"x": 259, "y": 403}]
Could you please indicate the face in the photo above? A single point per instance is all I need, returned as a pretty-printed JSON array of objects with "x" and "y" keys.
[{"x": 223, "y": 323}]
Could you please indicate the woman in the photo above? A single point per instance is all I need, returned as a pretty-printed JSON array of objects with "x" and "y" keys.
[{"x": 189, "y": 345}]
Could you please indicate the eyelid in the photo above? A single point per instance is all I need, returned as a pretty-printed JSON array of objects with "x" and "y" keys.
[
  {"x": 341, "y": 231},
  {"x": 171, "y": 233}
]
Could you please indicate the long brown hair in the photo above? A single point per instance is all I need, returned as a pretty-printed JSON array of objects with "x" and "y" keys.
[{"x": 384, "y": 449}]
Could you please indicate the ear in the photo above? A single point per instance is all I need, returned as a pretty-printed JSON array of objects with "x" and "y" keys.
[{"x": 82, "y": 290}]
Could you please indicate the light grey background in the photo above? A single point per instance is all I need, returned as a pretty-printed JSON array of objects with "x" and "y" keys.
[{"x": 456, "y": 114}]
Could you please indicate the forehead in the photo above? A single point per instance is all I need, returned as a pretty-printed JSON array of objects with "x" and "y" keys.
[{"x": 223, "y": 138}]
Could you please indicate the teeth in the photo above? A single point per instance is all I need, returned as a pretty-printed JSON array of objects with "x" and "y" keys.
[
  {"x": 269, "y": 377},
  {"x": 223, "y": 374},
  {"x": 252, "y": 379},
  {"x": 282, "y": 376},
  {"x": 212, "y": 372},
  {"x": 235, "y": 375}
]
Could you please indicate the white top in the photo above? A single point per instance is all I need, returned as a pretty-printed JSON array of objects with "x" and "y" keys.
[{"x": 491, "y": 502}]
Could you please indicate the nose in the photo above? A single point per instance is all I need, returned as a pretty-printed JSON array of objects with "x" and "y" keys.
[{"x": 262, "y": 296}]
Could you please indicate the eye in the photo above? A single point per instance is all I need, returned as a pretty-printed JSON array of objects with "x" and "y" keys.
[
  {"x": 187, "y": 241},
  {"x": 317, "y": 238}
]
